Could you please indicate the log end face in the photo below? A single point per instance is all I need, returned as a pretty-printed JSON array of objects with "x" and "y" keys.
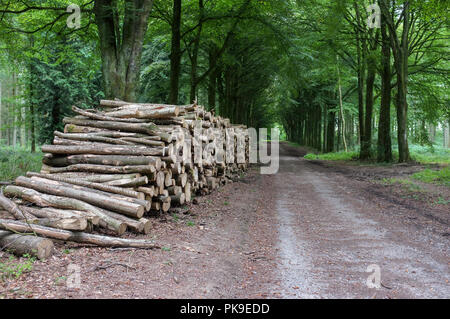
[{"x": 44, "y": 249}]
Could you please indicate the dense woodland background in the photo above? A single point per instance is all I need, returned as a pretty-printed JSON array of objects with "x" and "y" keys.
[{"x": 312, "y": 68}]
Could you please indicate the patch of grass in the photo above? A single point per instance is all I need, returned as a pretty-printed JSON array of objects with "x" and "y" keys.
[
  {"x": 432, "y": 176},
  {"x": 442, "y": 201},
  {"x": 341, "y": 156},
  {"x": 410, "y": 185},
  {"x": 190, "y": 223},
  {"x": 226, "y": 203},
  {"x": 165, "y": 249},
  {"x": 392, "y": 181},
  {"x": 60, "y": 280},
  {"x": 13, "y": 268},
  {"x": 16, "y": 162},
  {"x": 430, "y": 154}
]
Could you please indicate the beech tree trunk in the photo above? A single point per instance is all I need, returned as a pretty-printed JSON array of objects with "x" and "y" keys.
[
  {"x": 400, "y": 51},
  {"x": 121, "y": 45},
  {"x": 384, "y": 127},
  {"x": 175, "y": 54}
]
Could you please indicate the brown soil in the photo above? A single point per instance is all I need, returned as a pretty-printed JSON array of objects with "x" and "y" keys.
[{"x": 309, "y": 231}]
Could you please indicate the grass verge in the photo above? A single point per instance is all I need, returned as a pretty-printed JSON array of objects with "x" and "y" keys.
[{"x": 16, "y": 162}]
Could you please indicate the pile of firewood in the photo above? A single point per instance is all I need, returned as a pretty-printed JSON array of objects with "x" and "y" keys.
[{"x": 115, "y": 167}]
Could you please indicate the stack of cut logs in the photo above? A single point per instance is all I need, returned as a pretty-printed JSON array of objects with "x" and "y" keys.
[{"x": 115, "y": 166}]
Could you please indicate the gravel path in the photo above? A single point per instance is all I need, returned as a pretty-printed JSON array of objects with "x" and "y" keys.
[{"x": 310, "y": 231}]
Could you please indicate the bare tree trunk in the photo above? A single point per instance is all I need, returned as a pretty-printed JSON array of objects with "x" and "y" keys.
[
  {"x": 121, "y": 46},
  {"x": 194, "y": 57},
  {"x": 175, "y": 55},
  {"x": 384, "y": 127},
  {"x": 341, "y": 108}
]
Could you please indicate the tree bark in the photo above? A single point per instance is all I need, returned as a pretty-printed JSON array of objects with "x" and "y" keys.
[
  {"x": 82, "y": 194},
  {"x": 175, "y": 55},
  {"x": 45, "y": 200},
  {"x": 98, "y": 240},
  {"x": 108, "y": 187},
  {"x": 12, "y": 208},
  {"x": 121, "y": 46},
  {"x": 104, "y": 149},
  {"x": 400, "y": 51},
  {"x": 384, "y": 126},
  {"x": 20, "y": 245}
]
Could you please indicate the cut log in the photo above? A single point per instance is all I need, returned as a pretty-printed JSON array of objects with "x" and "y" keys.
[
  {"x": 145, "y": 112},
  {"x": 142, "y": 141},
  {"x": 178, "y": 199},
  {"x": 45, "y": 200},
  {"x": 147, "y": 225},
  {"x": 74, "y": 223},
  {"x": 49, "y": 212},
  {"x": 148, "y": 190},
  {"x": 187, "y": 192},
  {"x": 78, "y": 237},
  {"x": 103, "y": 187},
  {"x": 135, "y": 182},
  {"x": 91, "y": 138},
  {"x": 118, "y": 197},
  {"x": 12, "y": 208},
  {"x": 132, "y": 224},
  {"x": 175, "y": 190},
  {"x": 20, "y": 245},
  {"x": 145, "y": 128},
  {"x": 181, "y": 180},
  {"x": 104, "y": 149},
  {"x": 98, "y": 178},
  {"x": 97, "y": 198},
  {"x": 112, "y": 160},
  {"x": 93, "y": 168},
  {"x": 103, "y": 117}
]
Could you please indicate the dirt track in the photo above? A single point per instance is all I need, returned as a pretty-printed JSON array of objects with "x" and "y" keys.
[{"x": 310, "y": 231}]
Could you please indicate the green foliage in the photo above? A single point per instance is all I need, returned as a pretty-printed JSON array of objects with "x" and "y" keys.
[
  {"x": 190, "y": 223},
  {"x": 155, "y": 72},
  {"x": 54, "y": 86},
  {"x": 16, "y": 162},
  {"x": 430, "y": 154},
  {"x": 14, "y": 268},
  {"x": 341, "y": 156},
  {"x": 434, "y": 176}
]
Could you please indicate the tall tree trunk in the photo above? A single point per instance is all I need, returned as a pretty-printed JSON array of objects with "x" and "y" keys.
[
  {"x": 402, "y": 88},
  {"x": 341, "y": 108},
  {"x": 448, "y": 134},
  {"x": 366, "y": 138},
  {"x": 360, "y": 52},
  {"x": 384, "y": 127},
  {"x": 194, "y": 57},
  {"x": 400, "y": 51},
  {"x": 14, "y": 109},
  {"x": 331, "y": 123},
  {"x": 1, "y": 111},
  {"x": 212, "y": 78},
  {"x": 175, "y": 55},
  {"x": 121, "y": 47}
]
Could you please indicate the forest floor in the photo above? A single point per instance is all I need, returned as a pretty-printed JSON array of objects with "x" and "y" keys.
[{"x": 309, "y": 231}]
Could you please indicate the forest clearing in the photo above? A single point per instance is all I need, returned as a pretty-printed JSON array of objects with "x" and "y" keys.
[{"x": 233, "y": 149}]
